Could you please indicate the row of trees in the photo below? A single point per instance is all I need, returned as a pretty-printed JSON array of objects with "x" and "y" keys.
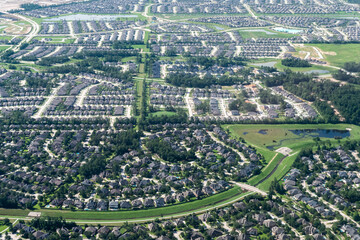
[
  {"x": 295, "y": 62},
  {"x": 343, "y": 76},
  {"x": 190, "y": 80},
  {"x": 208, "y": 62},
  {"x": 352, "y": 66}
]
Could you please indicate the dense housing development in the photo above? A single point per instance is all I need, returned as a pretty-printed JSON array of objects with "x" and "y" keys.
[{"x": 180, "y": 120}]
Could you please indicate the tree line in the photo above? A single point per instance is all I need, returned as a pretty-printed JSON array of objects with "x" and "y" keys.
[{"x": 180, "y": 79}]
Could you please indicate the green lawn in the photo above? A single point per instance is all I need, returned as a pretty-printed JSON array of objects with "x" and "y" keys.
[
  {"x": 264, "y": 33},
  {"x": 281, "y": 67},
  {"x": 14, "y": 212},
  {"x": 266, "y": 170},
  {"x": 279, "y": 135},
  {"x": 280, "y": 172},
  {"x": 338, "y": 54},
  {"x": 145, "y": 49},
  {"x": 214, "y": 26},
  {"x": 225, "y": 197},
  {"x": 6, "y": 37},
  {"x": 179, "y": 16},
  {"x": 57, "y": 39},
  {"x": 3, "y": 48},
  {"x": 162, "y": 113},
  {"x": 3, "y": 227}
]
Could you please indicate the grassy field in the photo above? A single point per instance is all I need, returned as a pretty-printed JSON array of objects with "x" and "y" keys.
[
  {"x": 262, "y": 136},
  {"x": 161, "y": 113},
  {"x": 266, "y": 170},
  {"x": 280, "y": 135},
  {"x": 3, "y": 227},
  {"x": 214, "y": 26},
  {"x": 264, "y": 33},
  {"x": 179, "y": 16},
  {"x": 279, "y": 173},
  {"x": 281, "y": 67},
  {"x": 6, "y": 37},
  {"x": 57, "y": 39},
  {"x": 3, "y": 48},
  {"x": 184, "y": 208},
  {"x": 338, "y": 54},
  {"x": 277, "y": 64}
]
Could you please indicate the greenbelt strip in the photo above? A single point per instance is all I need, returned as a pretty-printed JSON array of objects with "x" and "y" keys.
[{"x": 197, "y": 207}]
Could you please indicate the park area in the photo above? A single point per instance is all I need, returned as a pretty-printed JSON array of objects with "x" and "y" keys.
[
  {"x": 269, "y": 140},
  {"x": 294, "y": 136},
  {"x": 333, "y": 54},
  {"x": 181, "y": 209}
]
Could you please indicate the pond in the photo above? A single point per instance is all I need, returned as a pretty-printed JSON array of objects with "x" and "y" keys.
[
  {"x": 259, "y": 30},
  {"x": 287, "y": 30},
  {"x": 313, "y": 133},
  {"x": 263, "y": 131},
  {"x": 218, "y": 28},
  {"x": 266, "y": 64},
  {"x": 90, "y": 17},
  {"x": 318, "y": 71},
  {"x": 323, "y": 133}
]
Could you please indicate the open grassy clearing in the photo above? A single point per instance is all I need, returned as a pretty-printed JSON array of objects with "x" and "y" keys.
[
  {"x": 14, "y": 212},
  {"x": 265, "y": 136},
  {"x": 279, "y": 173},
  {"x": 266, "y": 170},
  {"x": 179, "y": 16},
  {"x": 56, "y": 39},
  {"x": 162, "y": 113},
  {"x": 281, "y": 67},
  {"x": 264, "y": 33},
  {"x": 214, "y": 26},
  {"x": 184, "y": 208},
  {"x": 3, "y": 227},
  {"x": 139, "y": 16},
  {"x": 145, "y": 49},
  {"x": 5, "y": 37},
  {"x": 338, "y": 54},
  {"x": 127, "y": 59},
  {"x": 3, "y": 48},
  {"x": 280, "y": 135},
  {"x": 277, "y": 64},
  {"x": 325, "y": 15}
]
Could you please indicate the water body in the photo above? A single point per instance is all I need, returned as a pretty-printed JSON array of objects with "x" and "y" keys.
[
  {"x": 91, "y": 17},
  {"x": 287, "y": 30},
  {"x": 245, "y": 133},
  {"x": 259, "y": 30},
  {"x": 352, "y": 18},
  {"x": 263, "y": 131},
  {"x": 318, "y": 71},
  {"x": 267, "y": 64},
  {"x": 322, "y": 133},
  {"x": 218, "y": 28}
]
